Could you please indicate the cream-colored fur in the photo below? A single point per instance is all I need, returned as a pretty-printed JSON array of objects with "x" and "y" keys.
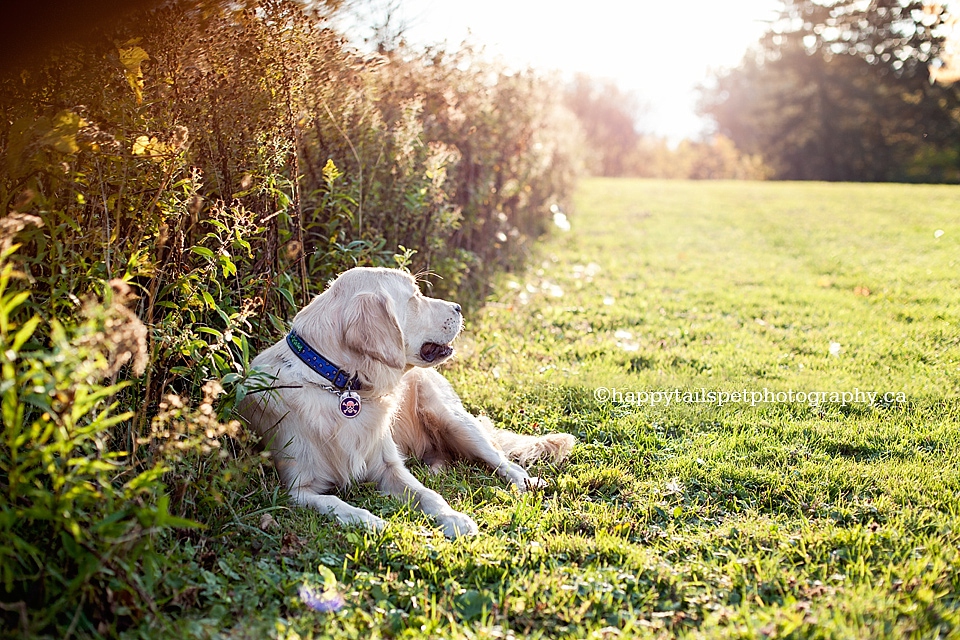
[{"x": 376, "y": 323}]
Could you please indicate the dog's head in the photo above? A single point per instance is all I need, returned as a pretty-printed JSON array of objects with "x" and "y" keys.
[{"x": 372, "y": 318}]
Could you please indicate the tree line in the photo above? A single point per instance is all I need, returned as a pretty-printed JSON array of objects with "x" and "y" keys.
[
  {"x": 837, "y": 91},
  {"x": 842, "y": 91}
]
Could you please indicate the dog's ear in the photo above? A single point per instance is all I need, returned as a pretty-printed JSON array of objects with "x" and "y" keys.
[{"x": 370, "y": 328}]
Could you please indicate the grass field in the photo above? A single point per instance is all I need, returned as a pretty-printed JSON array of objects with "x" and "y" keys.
[{"x": 782, "y": 518}]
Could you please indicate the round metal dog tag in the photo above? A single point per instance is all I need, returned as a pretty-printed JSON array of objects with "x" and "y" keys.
[{"x": 349, "y": 404}]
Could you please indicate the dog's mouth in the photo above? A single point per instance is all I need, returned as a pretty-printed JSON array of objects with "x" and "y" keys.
[{"x": 431, "y": 351}]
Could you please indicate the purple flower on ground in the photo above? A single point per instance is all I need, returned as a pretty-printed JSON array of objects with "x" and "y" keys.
[{"x": 321, "y": 600}]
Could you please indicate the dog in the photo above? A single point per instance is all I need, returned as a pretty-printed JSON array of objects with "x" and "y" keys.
[{"x": 354, "y": 390}]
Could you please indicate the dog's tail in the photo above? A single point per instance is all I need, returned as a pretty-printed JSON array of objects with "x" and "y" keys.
[{"x": 524, "y": 449}]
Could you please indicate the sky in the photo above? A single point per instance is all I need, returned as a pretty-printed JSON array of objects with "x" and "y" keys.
[{"x": 659, "y": 50}]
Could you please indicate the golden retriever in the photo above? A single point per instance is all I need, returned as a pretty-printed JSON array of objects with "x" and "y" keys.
[{"x": 354, "y": 390}]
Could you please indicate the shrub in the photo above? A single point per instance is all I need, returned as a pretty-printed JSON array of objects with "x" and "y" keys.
[
  {"x": 713, "y": 159},
  {"x": 77, "y": 519},
  {"x": 205, "y": 169}
]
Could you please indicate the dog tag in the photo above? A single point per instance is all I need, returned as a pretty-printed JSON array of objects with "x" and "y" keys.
[{"x": 349, "y": 404}]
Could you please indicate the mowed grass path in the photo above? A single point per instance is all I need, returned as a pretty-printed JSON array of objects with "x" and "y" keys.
[{"x": 784, "y": 519}]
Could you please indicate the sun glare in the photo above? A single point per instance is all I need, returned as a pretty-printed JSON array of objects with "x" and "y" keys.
[{"x": 659, "y": 54}]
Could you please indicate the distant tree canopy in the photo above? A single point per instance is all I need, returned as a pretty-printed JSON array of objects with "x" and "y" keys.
[
  {"x": 608, "y": 117},
  {"x": 841, "y": 91},
  {"x": 614, "y": 145}
]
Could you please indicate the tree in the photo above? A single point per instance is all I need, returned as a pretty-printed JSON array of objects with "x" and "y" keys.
[
  {"x": 608, "y": 118},
  {"x": 841, "y": 92}
]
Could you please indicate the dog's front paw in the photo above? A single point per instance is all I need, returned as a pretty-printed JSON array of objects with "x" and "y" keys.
[
  {"x": 530, "y": 483},
  {"x": 524, "y": 482},
  {"x": 456, "y": 524},
  {"x": 375, "y": 524},
  {"x": 363, "y": 518}
]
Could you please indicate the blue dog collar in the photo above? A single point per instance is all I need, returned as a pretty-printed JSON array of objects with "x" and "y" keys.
[{"x": 323, "y": 367}]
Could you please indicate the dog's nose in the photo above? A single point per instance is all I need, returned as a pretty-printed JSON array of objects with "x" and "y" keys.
[{"x": 457, "y": 308}]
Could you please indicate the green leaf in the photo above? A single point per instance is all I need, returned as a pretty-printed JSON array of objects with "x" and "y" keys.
[
  {"x": 227, "y": 266},
  {"x": 286, "y": 295},
  {"x": 24, "y": 333},
  {"x": 210, "y": 331},
  {"x": 208, "y": 299},
  {"x": 164, "y": 519},
  {"x": 14, "y": 301},
  {"x": 132, "y": 58},
  {"x": 203, "y": 252},
  {"x": 472, "y": 604}
]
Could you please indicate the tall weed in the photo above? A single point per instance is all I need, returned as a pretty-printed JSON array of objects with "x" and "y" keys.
[{"x": 78, "y": 521}]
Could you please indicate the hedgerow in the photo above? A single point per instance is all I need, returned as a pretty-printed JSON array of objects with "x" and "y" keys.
[{"x": 178, "y": 184}]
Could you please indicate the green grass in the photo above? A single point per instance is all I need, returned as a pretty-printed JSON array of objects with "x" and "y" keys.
[{"x": 689, "y": 519}]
